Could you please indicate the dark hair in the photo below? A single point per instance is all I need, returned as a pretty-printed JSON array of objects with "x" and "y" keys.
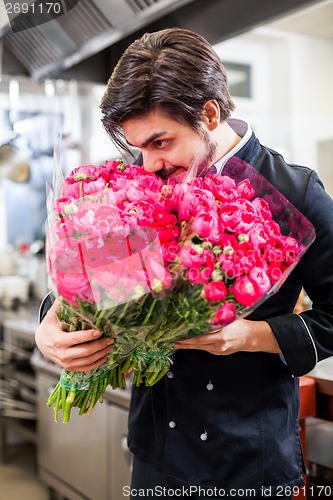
[{"x": 174, "y": 70}]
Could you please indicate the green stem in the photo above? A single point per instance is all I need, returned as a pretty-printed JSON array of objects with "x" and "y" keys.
[
  {"x": 53, "y": 397},
  {"x": 123, "y": 312},
  {"x": 150, "y": 311}
]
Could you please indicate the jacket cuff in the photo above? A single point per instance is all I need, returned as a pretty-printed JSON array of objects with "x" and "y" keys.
[
  {"x": 296, "y": 343},
  {"x": 45, "y": 306}
]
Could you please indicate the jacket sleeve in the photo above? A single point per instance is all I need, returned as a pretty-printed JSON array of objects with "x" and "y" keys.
[
  {"x": 307, "y": 338},
  {"x": 45, "y": 306}
]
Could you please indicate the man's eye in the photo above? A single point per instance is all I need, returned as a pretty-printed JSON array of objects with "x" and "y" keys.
[{"x": 160, "y": 143}]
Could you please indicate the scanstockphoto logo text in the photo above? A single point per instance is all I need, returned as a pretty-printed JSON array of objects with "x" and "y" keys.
[
  {"x": 186, "y": 491},
  {"x": 23, "y": 15},
  {"x": 265, "y": 492}
]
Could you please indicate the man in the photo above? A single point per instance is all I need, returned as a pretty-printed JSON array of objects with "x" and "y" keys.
[{"x": 224, "y": 421}]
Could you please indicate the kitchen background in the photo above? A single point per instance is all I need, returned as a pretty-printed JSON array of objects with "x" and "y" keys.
[{"x": 279, "y": 63}]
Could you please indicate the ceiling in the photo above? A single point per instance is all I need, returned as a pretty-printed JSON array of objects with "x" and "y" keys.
[
  {"x": 315, "y": 20},
  {"x": 88, "y": 40}
]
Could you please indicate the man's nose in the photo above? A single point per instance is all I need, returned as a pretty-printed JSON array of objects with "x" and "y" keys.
[{"x": 150, "y": 162}]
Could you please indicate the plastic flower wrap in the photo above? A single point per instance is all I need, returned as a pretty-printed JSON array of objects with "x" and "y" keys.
[{"x": 149, "y": 263}]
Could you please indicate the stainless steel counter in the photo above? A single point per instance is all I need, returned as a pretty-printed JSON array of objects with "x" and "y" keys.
[
  {"x": 87, "y": 457},
  {"x": 17, "y": 380}
]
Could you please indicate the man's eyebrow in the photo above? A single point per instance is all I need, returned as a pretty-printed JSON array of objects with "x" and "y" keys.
[{"x": 149, "y": 140}]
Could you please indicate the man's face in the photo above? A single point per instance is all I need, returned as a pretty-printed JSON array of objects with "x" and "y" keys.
[{"x": 169, "y": 148}]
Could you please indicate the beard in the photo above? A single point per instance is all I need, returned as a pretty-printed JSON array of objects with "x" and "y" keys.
[{"x": 200, "y": 165}]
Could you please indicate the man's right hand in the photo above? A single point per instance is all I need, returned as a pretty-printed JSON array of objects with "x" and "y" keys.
[{"x": 75, "y": 351}]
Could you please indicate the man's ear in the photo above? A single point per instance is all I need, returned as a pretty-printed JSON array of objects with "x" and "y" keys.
[{"x": 211, "y": 114}]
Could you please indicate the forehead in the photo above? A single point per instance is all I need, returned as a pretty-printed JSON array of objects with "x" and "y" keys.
[{"x": 138, "y": 131}]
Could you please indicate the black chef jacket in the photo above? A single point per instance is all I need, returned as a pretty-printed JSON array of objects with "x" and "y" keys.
[{"x": 231, "y": 422}]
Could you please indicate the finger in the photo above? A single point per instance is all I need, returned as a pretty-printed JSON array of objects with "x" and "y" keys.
[
  {"x": 83, "y": 350},
  {"x": 83, "y": 364},
  {"x": 82, "y": 336},
  {"x": 91, "y": 348}
]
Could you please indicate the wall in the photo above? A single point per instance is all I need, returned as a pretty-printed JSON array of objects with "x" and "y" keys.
[{"x": 292, "y": 105}]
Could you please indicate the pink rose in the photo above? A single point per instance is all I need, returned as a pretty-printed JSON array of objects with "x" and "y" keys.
[
  {"x": 93, "y": 186},
  {"x": 195, "y": 201},
  {"x": 199, "y": 276},
  {"x": 257, "y": 235},
  {"x": 140, "y": 212},
  {"x": 230, "y": 216},
  {"x": 170, "y": 250},
  {"x": 111, "y": 166},
  {"x": 165, "y": 225},
  {"x": 84, "y": 181},
  {"x": 62, "y": 203},
  {"x": 190, "y": 257},
  {"x": 262, "y": 208},
  {"x": 71, "y": 190},
  {"x": 206, "y": 226},
  {"x": 248, "y": 215},
  {"x": 238, "y": 260},
  {"x": 215, "y": 291},
  {"x": 230, "y": 266},
  {"x": 72, "y": 286},
  {"x": 274, "y": 250},
  {"x": 224, "y": 315},
  {"x": 126, "y": 288},
  {"x": 150, "y": 182},
  {"x": 259, "y": 277},
  {"x": 99, "y": 253},
  {"x": 246, "y": 291},
  {"x": 106, "y": 221},
  {"x": 126, "y": 172},
  {"x": 65, "y": 256},
  {"x": 165, "y": 234},
  {"x": 237, "y": 217},
  {"x": 229, "y": 241},
  {"x": 291, "y": 250},
  {"x": 125, "y": 279},
  {"x": 198, "y": 182},
  {"x": 272, "y": 228},
  {"x": 135, "y": 194},
  {"x": 163, "y": 217},
  {"x": 85, "y": 172},
  {"x": 245, "y": 189},
  {"x": 247, "y": 255},
  {"x": 137, "y": 183},
  {"x": 196, "y": 257},
  {"x": 222, "y": 187},
  {"x": 274, "y": 272}
]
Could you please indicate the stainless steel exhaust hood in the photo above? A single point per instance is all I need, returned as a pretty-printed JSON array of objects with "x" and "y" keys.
[
  {"x": 83, "y": 30},
  {"x": 88, "y": 39}
]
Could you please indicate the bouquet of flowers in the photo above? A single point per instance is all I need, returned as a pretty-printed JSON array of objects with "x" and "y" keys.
[{"x": 149, "y": 263}]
